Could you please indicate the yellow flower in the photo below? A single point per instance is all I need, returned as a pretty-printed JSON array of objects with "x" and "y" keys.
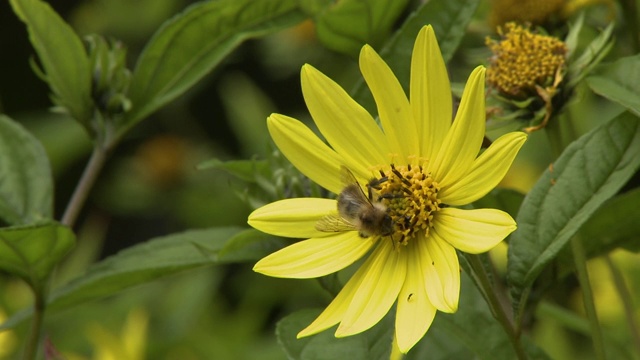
[
  {"x": 129, "y": 344},
  {"x": 418, "y": 167},
  {"x": 524, "y": 61}
]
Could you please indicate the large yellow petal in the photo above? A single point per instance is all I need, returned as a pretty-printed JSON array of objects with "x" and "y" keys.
[
  {"x": 441, "y": 272},
  {"x": 473, "y": 231},
  {"x": 306, "y": 151},
  {"x": 334, "y": 313},
  {"x": 295, "y": 218},
  {"x": 315, "y": 257},
  {"x": 346, "y": 125},
  {"x": 487, "y": 171},
  {"x": 377, "y": 292},
  {"x": 415, "y": 312},
  {"x": 430, "y": 93},
  {"x": 462, "y": 143},
  {"x": 393, "y": 107}
]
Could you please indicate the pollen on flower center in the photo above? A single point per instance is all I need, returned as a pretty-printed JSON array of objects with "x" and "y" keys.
[
  {"x": 523, "y": 60},
  {"x": 411, "y": 197}
]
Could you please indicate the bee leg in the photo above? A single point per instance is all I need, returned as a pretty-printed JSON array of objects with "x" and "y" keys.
[
  {"x": 375, "y": 184},
  {"x": 394, "y": 242}
]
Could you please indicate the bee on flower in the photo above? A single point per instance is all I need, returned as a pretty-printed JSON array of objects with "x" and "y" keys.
[{"x": 408, "y": 175}]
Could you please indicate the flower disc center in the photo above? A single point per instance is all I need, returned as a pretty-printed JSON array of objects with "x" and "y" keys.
[{"x": 411, "y": 197}]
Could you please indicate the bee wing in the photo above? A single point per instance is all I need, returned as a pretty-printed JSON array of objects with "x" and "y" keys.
[
  {"x": 347, "y": 178},
  {"x": 334, "y": 223}
]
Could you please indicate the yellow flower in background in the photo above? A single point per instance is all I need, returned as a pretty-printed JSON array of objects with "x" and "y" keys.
[
  {"x": 398, "y": 185},
  {"x": 523, "y": 61},
  {"x": 8, "y": 339},
  {"x": 128, "y": 344},
  {"x": 527, "y": 69}
]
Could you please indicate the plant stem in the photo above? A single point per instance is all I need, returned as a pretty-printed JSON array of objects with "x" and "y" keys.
[
  {"x": 625, "y": 296},
  {"x": 31, "y": 349},
  {"x": 587, "y": 296},
  {"x": 495, "y": 305},
  {"x": 89, "y": 176},
  {"x": 554, "y": 135}
]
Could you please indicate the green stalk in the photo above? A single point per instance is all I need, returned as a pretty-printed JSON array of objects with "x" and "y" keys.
[
  {"x": 80, "y": 194},
  {"x": 587, "y": 295},
  {"x": 625, "y": 296},
  {"x": 31, "y": 348},
  {"x": 495, "y": 305},
  {"x": 89, "y": 176},
  {"x": 554, "y": 135}
]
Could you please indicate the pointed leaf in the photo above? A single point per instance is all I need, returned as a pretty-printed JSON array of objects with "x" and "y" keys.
[
  {"x": 250, "y": 245},
  {"x": 31, "y": 252},
  {"x": 591, "y": 56},
  {"x": 618, "y": 82},
  {"x": 143, "y": 263},
  {"x": 137, "y": 265},
  {"x": 26, "y": 186},
  {"x": 245, "y": 170},
  {"x": 374, "y": 344},
  {"x": 190, "y": 45},
  {"x": 589, "y": 171},
  {"x": 609, "y": 228},
  {"x": 63, "y": 57},
  {"x": 613, "y": 225},
  {"x": 470, "y": 333}
]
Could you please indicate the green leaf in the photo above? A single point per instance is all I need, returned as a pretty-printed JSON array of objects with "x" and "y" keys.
[
  {"x": 250, "y": 245},
  {"x": 143, "y": 263},
  {"x": 245, "y": 170},
  {"x": 26, "y": 186},
  {"x": 345, "y": 26},
  {"x": 63, "y": 57},
  {"x": 374, "y": 343},
  {"x": 571, "y": 41},
  {"x": 591, "y": 56},
  {"x": 191, "y": 44},
  {"x": 613, "y": 225},
  {"x": 617, "y": 82},
  {"x": 31, "y": 252},
  {"x": 590, "y": 171},
  {"x": 137, "y": 265},
  {"x": 470, "y": 333},
  {"x": 449, "y": 19}
]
